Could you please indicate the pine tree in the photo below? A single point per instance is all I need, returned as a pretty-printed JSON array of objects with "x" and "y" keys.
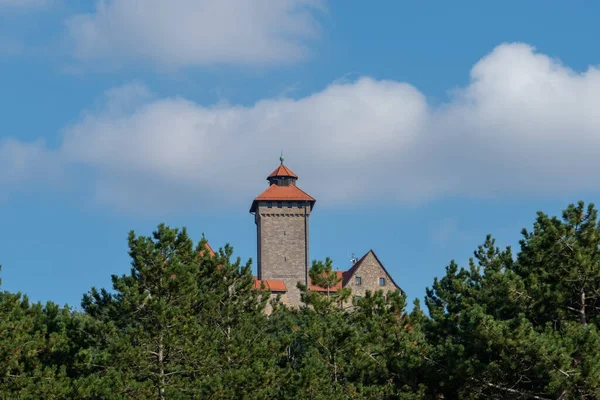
[
  {"x": 152, "y": 329},
  {"x": 322, "y": 275},
  {"x": 242, "y": 355},
  {"x": 32, "y": 349},
  {"x": 391, "y": 350},
  {"x": 524, "y": 327},
  {"x": 372, "y": 351},
  {"x": 183, "y": 324}
]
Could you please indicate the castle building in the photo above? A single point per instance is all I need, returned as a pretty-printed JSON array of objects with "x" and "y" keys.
[{"x": 281, "y": 214}]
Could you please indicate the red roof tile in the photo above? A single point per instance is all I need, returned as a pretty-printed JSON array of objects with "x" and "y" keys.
[
  {"x": 210, "y": 250},
  {"x": 282, "y": 193},
  {"x": 291, "y": 192},
  {"x": 271, "y": 284},
  {"x": 282, "y": 170},
  {"x": 332, "y": 289}
]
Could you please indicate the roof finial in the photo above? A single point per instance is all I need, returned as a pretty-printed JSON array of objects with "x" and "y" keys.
[{"x": 281, "y": 157}]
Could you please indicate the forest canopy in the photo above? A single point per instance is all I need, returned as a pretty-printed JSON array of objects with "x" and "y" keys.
[{"x": 184, "y": 324}]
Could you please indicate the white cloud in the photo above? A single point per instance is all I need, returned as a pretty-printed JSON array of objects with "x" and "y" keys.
[
  {"x": 23, "y": 164},
  {"x": 525, "y": 124},
  {"x": 224, "y": 152},
  {"x": 179, "y": 33}
]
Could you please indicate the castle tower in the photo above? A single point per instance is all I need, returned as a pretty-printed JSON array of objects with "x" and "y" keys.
[{"x": 281, "y": 215}]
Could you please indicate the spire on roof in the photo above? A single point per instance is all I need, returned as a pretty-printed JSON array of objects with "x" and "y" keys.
[
  {"x": 282, "y": 187},
  {"x": 282, "y": 175}
]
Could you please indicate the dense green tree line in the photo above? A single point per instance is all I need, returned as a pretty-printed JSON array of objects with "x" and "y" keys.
[{"x": 187, "y": 325}]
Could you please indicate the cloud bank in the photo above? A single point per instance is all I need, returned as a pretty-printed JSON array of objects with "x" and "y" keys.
[
  {"x": 525, "y": 124},
  {"x": 178, "y": 33}
]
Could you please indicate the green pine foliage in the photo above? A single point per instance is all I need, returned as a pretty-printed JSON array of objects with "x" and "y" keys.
[
  {"x": 185, "y": 324},
  {"x": 524, "y": 326},
  {"x": 34, "y": 349},
  {"x": 322, "y": 274}
]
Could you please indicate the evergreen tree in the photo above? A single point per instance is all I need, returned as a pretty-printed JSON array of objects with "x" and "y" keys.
[
  {"x": 33, "y": 349},
  {"x": 186, "y": 323},
  {"x": 375, "y": 350},
  {"x": 322, "y": 275},
  {"x": 183, "y": 324},
  {"x": 524, "y": 327},
  {"x": 152, "y": 331},
  {"x": 391, "y": 353},
  {"x": 241, "y": 359}
]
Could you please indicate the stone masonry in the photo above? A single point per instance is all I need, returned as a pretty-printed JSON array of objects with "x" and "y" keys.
[
  {"x": 283, "y": 244},
  {"x": 281, "y": 214},
  {"x": 370, "y": 272}
]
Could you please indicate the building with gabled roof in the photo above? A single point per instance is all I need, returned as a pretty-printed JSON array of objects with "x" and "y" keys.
[
  {"x": 281, "y": 214},
  {"x": 368, "y": 274}
]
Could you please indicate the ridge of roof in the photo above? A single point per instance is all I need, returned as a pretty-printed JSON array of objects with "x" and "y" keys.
[
  {"x": 282, "y": 170},
  {"x": 386, "y": 271},
  {"x": 210, "y": 250},
  {"x": 348, "y": 274}
]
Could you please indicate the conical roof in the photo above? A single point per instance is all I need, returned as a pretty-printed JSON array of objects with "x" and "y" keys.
[
  {"x": 282, "y": 171},
  {"x": 282, "y": 187}
]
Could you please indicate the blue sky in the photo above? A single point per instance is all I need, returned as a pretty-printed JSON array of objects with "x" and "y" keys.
[{"x": 419, "y": 127}]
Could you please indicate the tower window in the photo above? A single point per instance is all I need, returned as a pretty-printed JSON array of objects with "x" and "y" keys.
[
  {"x": 290, "y": 203},
  {"x": 358, "y": 280},
  {"x": 381, "y": 281},
  {"x": 279, "y": 204},
  {"x": 299, "y": 204},
  {"x": 270, "y": 204}
]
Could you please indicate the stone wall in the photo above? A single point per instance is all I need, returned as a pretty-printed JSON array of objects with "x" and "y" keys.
[
  {"x": 370, "y": 271},
  {"x": 283, "y": 245},
  {"x": 283, "y": 299}
]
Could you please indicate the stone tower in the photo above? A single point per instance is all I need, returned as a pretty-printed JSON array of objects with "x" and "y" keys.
[{"x": 281, "y": 215}]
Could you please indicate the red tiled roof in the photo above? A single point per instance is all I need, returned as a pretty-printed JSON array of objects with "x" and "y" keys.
[
  {"x": 271, "y": 284},
  {"x": 282, "y": 193},
  {"x": 282, "y": 170},
  {"x": 331, "y": 289},
  {"x": 290, "y": 192},
  {"x": 210, "y": 250}
]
